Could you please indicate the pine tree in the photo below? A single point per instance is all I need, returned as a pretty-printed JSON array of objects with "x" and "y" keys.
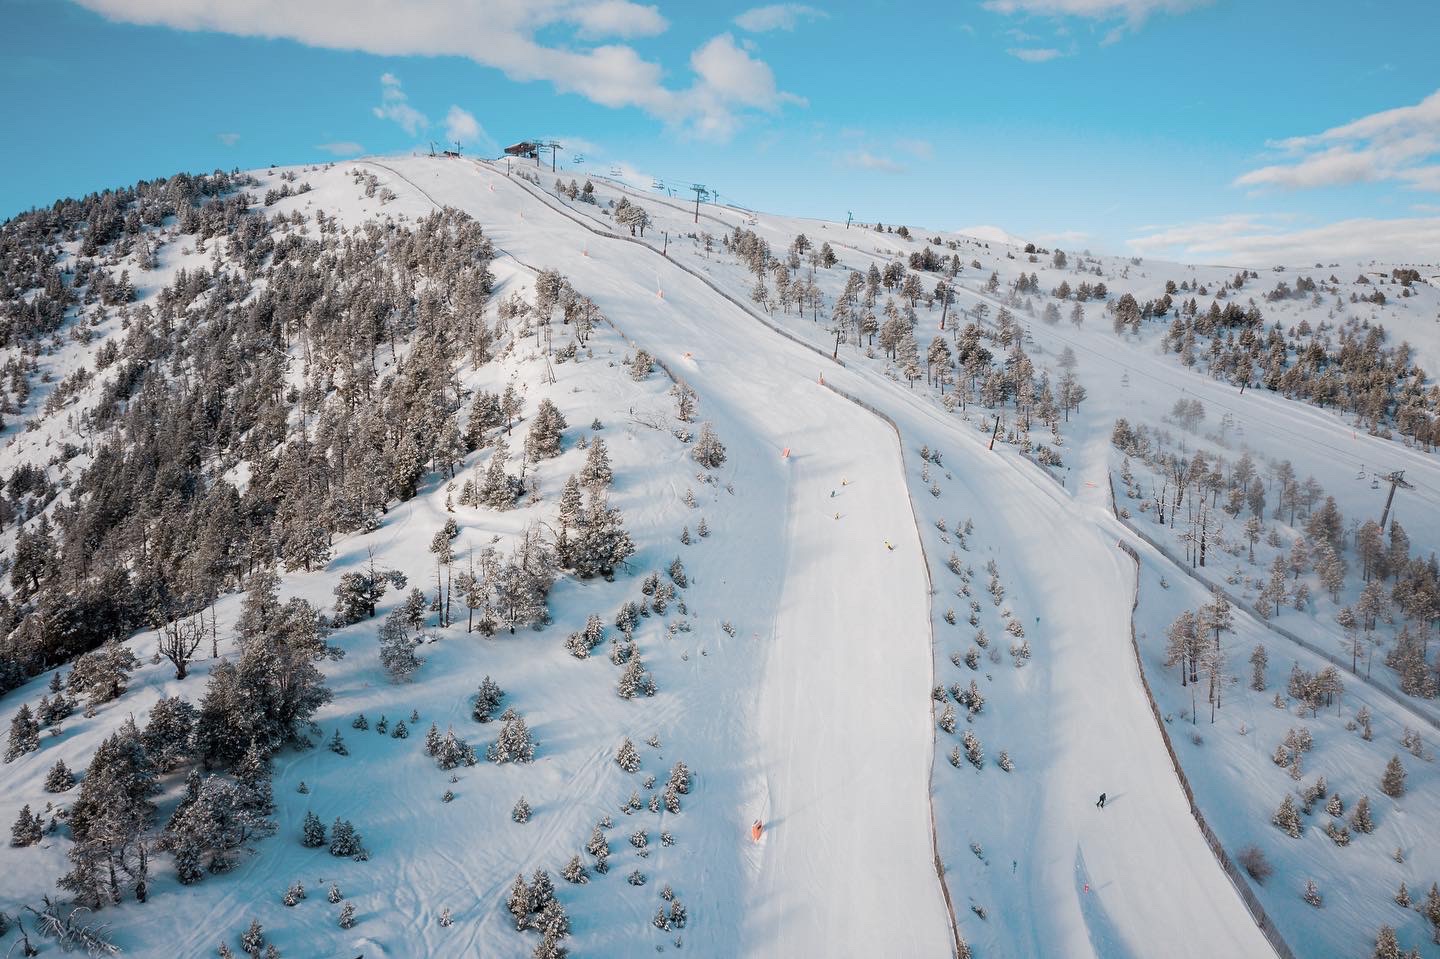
[
  {"x": 344, "y": 840},
  {"x": 1258, "y": 660},
  {"x": 1402, "y": 896},
  {"x": 1288, "y": 818},
  {"x": 521, "y": 902},
  {"x": 59, "y": 779},
  {"x": 253, "y": 939},
  {"x": 1360, "y": 820},
  {"x": 28, "y": 828},
  {"x": 337, "y": 745},
  {"x": 574, "y": 872},
  {"x": 487, "y": 700},
  {"x": 1431, "y": 911},
  {"x": 1392, "y": 783},
  {"x": 1386, "y": 945},
  {"x": 708, "y": 451},
  {"x": 397, "y": 649},
  {"x": 597, "y": 470},
  {"x": 543, "y": 440},
  {"x": 167, "y": 735},
  {"x": 24, "y": 734},
  {"x": 313, "y": 832},
  {"x": 1312, "y": 894},
  {"x": 347, "y": 915},
  {"x": 521, "y": 812},
  {"x": 627, "y": 757},
  {"x": 514, "y": 743}
]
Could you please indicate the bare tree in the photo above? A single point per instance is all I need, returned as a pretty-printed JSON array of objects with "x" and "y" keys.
[{"x": 178, "y": 641}]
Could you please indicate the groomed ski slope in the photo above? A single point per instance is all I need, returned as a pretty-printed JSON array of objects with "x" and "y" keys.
[{"x": 839, "y": 746}]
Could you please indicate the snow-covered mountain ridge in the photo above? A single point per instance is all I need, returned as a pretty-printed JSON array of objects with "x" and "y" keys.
[{"x": 828, "y": 665}]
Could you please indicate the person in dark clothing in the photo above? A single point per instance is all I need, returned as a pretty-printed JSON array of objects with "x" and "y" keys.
[{"x": 1100, "y": 803}]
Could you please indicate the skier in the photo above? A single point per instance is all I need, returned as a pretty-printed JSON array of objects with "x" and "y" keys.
[
  {"x": 1100, "y": 803},
  {"x": 832, "y": 494},
  {"x": 755, "y": 830},
  {"x": 888, "y": 546}
]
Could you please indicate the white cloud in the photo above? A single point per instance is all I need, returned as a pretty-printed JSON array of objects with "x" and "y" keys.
[
  {"x": 1132, "y": 11},
  {"x": 618, "y": 18},
  {"x": 1402, "y": 145},
  {"x": 462, "y": 127},
  {"x": 777, "y": 16},
  {"x": 341, "y": 148},
  {"x": 502, "y": 34},
  {"x": 394, "y": 105},
  {"x": 229, "y": 139},
  {"x": 1132, "y": 14},
  {"x": 1254, "y": 241},
  {"x": 1035, "y": 54},
  {"x": 729, "y": 78},
  {"x": 865, "y": 160}
]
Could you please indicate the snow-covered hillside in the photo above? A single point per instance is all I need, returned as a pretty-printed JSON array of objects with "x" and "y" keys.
[{"x": 890, "y": 620}]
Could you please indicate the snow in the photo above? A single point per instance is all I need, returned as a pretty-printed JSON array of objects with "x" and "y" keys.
[{"x": 816, "y": 715}]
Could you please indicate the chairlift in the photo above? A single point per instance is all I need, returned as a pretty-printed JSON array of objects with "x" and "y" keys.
[
  {"x": 656, "y": 184},
  {"x": 614, "y": 171},
  {"x": 1374, "y": 484},
  {"x": 578, "y": 158}
]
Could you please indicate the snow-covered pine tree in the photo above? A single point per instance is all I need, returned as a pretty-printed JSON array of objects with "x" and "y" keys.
[
  {"x": 544, "y": 439},
  {"x": 597, "y": 470},
  {"x": 627, "y": 757},
  {"x": 59, "y": 779},
  {"x": 1287, "y": 818},
  {"x": 1392, "y": 782},
  {"x": 521, "y": 812},
  {"x": 344, "y": 840},
  {"x": 1360, "y": 819},
  {"x": 28, "y": 828},
  {"x": 514, "y": 743},
  {"x": 24, "y": 734},
  {"x": 487, "y": 700},
  {"x": 312, "y": 834},
  {"x": 397, "y": 649},
  {"x": 708, "y": 451}
]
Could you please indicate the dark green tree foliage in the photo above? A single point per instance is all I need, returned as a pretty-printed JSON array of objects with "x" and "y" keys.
[
  {"x": 199, "y": 384},
  {"x": 109, "y": 820},
  {"x": 273, "y": 688}
]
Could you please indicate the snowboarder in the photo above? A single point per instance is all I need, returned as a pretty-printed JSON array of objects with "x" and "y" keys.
[
  {"x": 755, "y": 830},
  {"x": 1100, "y": 803}
]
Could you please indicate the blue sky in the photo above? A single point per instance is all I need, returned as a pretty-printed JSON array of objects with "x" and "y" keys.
[{"x": 1220, "y": 130}]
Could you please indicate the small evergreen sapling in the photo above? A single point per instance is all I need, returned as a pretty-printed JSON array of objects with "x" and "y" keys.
[
  {"x": 1392, "y": 782},
  {"x": 521, "y": 812},
  {"x": 627, "y": 757},
  {"x": 487, "y": 700}
]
